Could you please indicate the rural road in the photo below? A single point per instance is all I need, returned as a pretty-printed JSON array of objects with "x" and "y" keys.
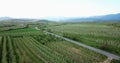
[{"x": 110, "y": 55}]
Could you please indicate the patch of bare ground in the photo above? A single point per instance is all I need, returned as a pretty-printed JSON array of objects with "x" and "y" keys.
[
  {"x": 75, "y": 50},
  {"x": 108, "y": 60}
]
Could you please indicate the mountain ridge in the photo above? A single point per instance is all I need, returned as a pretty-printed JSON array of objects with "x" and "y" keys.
[{"x": 108, "y": 17}]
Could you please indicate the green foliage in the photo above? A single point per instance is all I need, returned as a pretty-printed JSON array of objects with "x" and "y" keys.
[
  {"x": 1, "y": 41},
  {"x": 46, "y": 38},
  {"x": 115, "y": 61},
  {"x": 12, "y": 57},
  {"x": 21, "y": 32},
  {"x": 9, "y": 27},
  {"x": 75, "y": 54},
  {"x": 115, "y": 24}
]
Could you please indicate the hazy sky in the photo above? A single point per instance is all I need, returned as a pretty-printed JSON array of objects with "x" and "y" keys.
[{"x": 66, "y": 8}]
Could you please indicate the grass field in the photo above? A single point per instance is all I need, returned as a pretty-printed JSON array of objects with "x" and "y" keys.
[{"x": 105, "y": 36}]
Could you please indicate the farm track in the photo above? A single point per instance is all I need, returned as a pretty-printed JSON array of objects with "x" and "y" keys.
[
  {"x": 113, "y": 56},
  {"x": 108, "y": 60}
]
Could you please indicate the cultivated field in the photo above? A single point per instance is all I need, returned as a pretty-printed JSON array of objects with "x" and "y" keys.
[
  {"x": 105, "y": 36},
  {"x": 25, "y": 44},
  {"x": 28, "y": 45}
]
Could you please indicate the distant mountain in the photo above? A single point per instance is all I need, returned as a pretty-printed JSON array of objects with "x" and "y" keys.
[
  {"x": 43, "y": 20},
  {"x": 22, "y": 19},
  {"x": 5, "y": 18},
  {"x": 56, "y": 18},
  {"x": 110, "y": 17}
]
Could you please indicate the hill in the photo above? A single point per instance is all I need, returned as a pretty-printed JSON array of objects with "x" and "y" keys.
[{"x": 110, "y": 17}]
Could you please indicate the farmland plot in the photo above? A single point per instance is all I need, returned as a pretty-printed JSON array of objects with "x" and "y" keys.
[
  {"x": 34, "y": 47},
  {"x": 102, "y": 36}
]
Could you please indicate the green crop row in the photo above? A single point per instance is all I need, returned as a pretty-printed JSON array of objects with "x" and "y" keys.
[
  {"x": 4, "y": 51},
  {"x": 12, "y": 56}
]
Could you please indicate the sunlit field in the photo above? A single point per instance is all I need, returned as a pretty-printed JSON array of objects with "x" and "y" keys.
[
  {"x": 105, "y": 36},
  {"x": 28, "y": 45}
]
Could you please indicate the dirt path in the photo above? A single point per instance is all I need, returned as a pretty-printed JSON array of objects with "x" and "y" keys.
[{"x": 108, "y": 60}]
